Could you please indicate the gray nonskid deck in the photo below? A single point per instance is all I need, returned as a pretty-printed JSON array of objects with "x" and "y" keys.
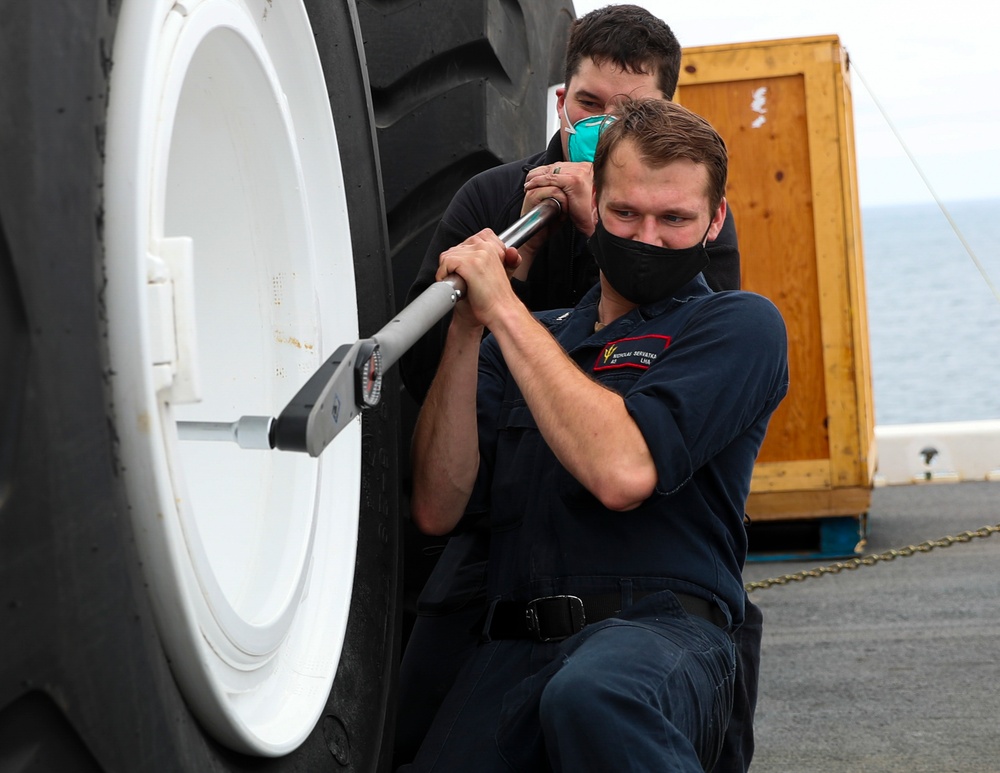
[{"x": 891, "y": 667}]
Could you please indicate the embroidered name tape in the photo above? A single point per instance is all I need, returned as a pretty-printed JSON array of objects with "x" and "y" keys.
[{"x": 639, "y": 352}]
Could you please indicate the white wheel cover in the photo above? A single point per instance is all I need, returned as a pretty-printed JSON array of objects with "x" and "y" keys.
[{"x": 230, "y": 279}]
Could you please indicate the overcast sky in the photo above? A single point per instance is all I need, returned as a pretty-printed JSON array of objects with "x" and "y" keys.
[{"x": 935, "y": 70}]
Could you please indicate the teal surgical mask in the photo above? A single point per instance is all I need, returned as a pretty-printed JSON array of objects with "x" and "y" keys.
[{"x": 583, "y": 135}]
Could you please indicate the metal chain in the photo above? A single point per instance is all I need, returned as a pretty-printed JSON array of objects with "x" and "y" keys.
[{"x": 871, "y": 560}]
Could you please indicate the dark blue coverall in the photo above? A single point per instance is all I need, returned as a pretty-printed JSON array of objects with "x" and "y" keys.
[{"x": 453, "y": 600}]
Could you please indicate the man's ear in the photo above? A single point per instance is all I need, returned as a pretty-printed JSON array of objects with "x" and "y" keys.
[
  {"x": 560, "y": 99},
  {"x": 717, "y": 220}
]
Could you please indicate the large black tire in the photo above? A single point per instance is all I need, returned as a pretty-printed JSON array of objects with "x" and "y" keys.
[
  {"x": 85, "y": 682},
  {"x": 455, "y": 97}
]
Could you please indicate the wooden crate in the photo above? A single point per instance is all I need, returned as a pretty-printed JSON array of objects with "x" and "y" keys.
[{"x": 784, "y": 110}]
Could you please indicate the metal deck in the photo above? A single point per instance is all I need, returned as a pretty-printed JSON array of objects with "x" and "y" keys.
[{"x": 891, "y": 667}]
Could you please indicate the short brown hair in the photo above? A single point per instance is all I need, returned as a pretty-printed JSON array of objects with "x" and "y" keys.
[
  {"x": 629, "y": 37},
  {"x": 664, "y": 132}
]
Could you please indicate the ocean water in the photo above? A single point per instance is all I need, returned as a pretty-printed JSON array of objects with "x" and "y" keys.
[{"x": 933, "y": 320}]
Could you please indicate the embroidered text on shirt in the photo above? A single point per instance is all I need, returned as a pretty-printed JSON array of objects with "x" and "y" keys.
[{"x": 640, "y": 352}]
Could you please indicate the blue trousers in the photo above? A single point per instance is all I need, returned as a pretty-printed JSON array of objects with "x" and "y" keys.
[
  {"x": 445, "y": 638},
  {"x": 650, "y": 690}
]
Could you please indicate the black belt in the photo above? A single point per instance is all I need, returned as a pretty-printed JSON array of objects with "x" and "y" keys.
[{"x": 553, "y": 618}]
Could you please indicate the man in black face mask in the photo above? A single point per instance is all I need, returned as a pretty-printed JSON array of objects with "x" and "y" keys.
[
  {"x": 612, "y": 447},
  {"x": 612, "y": 52}
]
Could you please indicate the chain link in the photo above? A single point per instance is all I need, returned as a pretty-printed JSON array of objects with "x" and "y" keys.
[{"x": 871, "y": 560}]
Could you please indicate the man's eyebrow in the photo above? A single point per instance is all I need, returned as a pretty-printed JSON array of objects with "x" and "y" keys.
[{"x": 585, "y": 94}]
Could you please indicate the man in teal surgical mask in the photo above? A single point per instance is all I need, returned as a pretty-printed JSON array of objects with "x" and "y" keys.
[
  {"x": 613, "y": 52},
  {"x": 596, "y": 80}
]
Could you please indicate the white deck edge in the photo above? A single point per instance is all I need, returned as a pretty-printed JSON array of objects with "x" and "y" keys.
[{"x": 962, "y": 451}]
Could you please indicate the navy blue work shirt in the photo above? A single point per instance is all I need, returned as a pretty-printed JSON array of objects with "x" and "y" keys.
[{"x": 700, "y": 374}]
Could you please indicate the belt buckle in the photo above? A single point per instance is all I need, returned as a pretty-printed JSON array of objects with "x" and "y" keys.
[{"x": 574, "y": 616}]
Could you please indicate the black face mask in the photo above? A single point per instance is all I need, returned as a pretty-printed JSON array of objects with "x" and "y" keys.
[{"x": 643, "y": 273}]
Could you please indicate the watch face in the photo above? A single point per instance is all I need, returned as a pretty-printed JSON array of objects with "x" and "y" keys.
[{"x": 371, "y": 379}]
